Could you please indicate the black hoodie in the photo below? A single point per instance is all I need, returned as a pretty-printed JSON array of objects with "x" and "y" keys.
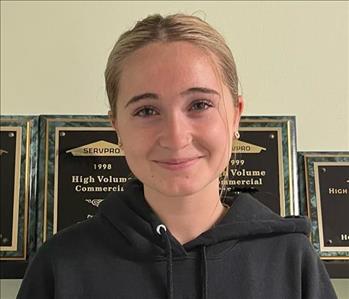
[{"x": 126, "y": 252}]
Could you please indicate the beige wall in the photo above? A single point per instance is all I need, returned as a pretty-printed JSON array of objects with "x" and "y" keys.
[{"x": 292, "y": 59}]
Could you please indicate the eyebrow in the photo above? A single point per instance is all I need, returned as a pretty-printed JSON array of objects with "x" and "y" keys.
[
  {"x": 200, "y": 89},
  {"x": 154, "y": 96},
  {"x": 148, "y": 95}
]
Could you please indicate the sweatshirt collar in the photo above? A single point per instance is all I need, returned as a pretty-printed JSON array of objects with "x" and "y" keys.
[{"x": 133, "y": 217}]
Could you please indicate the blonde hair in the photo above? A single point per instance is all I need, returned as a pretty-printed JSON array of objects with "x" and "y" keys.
[{"x": 176, "y": 27}]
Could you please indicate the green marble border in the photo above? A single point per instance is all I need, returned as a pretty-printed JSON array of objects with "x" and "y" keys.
[
  {"x": 308, "y": 195},
  {"x": 301, "y": 185},
  {"x": 26, "y": 230},
  {"x": 287, "y": 124},
  {"x": 48, "y": 125}
]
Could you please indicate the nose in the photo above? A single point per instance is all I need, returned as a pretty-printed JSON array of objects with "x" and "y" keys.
[{"x": 175, "y": 132}]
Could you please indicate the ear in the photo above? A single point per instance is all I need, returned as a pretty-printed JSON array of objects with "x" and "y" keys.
[
  {"x": 239, "y": 108},
  {"x": 113, "y": 121}
]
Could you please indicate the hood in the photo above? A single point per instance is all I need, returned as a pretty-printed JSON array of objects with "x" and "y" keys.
[
  {"x": 132, "y": 216},
  {"x": 148, "y": 238}
]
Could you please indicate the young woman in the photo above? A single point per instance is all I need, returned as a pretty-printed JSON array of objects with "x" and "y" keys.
[{"x": 174, "y": 103}]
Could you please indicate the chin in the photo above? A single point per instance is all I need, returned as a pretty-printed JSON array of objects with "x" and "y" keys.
[{"x": 178, "y": 187}]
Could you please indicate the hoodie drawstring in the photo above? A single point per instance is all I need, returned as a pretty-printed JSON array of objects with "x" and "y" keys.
[
  {"x": 162, "y": 231},
  {"x": 204, "y": 272}
]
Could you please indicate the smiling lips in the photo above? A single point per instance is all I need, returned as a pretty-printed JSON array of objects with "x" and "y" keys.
[{"x": 177, "y": 164}]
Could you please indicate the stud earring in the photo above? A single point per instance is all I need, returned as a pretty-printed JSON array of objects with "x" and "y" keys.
[
  {"x": 237, "y": 135},
  {"x": 119, "y": 142}
]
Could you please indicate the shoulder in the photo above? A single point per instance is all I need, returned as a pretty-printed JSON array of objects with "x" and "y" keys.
[
  {"x": 296, "y": 243},
  {"x": 76, "y": 239},
  {"x": 293, "y": 240},
  {"x": 292, "y": 248}
]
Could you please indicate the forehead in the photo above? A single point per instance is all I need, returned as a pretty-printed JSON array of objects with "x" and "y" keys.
[{"x": 169, "y": 66}]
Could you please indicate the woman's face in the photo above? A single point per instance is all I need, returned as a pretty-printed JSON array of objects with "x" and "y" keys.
[{"x": 175, "y": 118}]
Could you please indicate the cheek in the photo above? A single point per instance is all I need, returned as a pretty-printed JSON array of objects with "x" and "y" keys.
[
  {"x": 214, "y": 137},
  {"x": 220, "y": 137},
  {"x": 137, "y": 142},
  {"x": 217, "y": 128},
  {"x": 135, "y": 154}
]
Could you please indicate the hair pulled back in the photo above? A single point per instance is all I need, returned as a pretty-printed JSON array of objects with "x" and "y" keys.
[{"x": 176, "y": 27}]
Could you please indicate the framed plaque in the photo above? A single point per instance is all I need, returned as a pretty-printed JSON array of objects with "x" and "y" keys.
[
  {"x": 18, "y": 172},
  {"x": 264, "y": 162},
  {"x": 80, "y": 164},
  {"x": 325, "y": 199}
]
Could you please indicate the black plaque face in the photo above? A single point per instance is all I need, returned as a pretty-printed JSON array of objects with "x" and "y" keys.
[
  {"x": 10, "y": 159},
  {"x": 332, "y": 188},
  {"x": 326, "y": 193},
  {"x": 264, "y": 162},
  {"x": 18, "y": 161},
  {"x": 80, "y": 164},
  {"x": 261, "y": 169},
  {"x": 89, "y": 167}
]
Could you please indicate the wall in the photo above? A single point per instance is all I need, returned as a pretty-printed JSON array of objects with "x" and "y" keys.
[{"x": 292, "y": 59}]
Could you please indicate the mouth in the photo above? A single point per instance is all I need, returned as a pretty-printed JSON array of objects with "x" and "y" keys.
[{"x": 177, "y": 164}]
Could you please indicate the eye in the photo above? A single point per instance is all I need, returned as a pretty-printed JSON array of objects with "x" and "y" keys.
[
  {"x": 200, "y": 105},
  {"x": 145, "y": 111}
]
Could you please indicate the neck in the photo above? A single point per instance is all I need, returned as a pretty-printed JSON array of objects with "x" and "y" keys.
[{"x": 186, "y": 217}]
